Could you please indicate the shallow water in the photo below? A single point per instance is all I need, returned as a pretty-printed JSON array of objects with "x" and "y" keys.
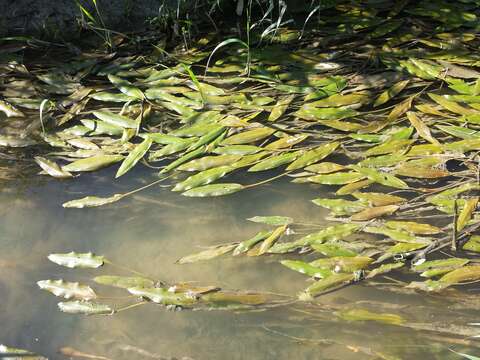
[{"x": 149, "y": 232}]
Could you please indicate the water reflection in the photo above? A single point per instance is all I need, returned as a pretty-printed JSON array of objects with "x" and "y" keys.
[{"x": 149, "y": 232}]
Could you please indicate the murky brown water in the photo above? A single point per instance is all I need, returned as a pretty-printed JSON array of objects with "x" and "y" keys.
[{"x": 152, "y": 230}]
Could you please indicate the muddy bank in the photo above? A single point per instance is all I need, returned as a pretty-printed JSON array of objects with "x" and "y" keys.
[{"x": 62, "y": 18}]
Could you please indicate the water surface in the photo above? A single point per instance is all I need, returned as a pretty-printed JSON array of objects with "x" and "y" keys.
[{"x": 149, "y": 232}]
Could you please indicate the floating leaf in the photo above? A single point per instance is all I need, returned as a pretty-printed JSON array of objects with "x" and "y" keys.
[
  {"x": 115, "y": 119},
  {"x": 237, "y": 150},
  {"x": 449, "y": 264},
  {"x": 52, "y": 168},
  {"x": 74, "y": 260},
  {"x": 343, "y": 263},
  {"x": 463, "y": 274},
  {"x": 8, "y": 354},
  {"x": 92, "y": 163},
  {"x": 390, "y": 93},
  {"x": 280, "y": 108},
  {"x": 374, "y": 212},
  {"x": 473, "y": 244},
  {"x": 340, "y": 178},
  {"x": 124, "y": 282},
  {"x": 401, "y": 248},
  {"x": 340, "y": 206},
  {"x": 380, "y": 177},
  {"x": 134, "y": 156},
  {"x": 111, "y": 97},
  {"x": 306, "y": 268},
  {"x": 312, "y": 156},
  {"x": 325, "y": 168},
  {"x": 84, "y": 307},
  {"x": 9, "y": 110},
  {"x": 249, "y": 136},
  {"x": 331, "y": 233},
  {"x": 208, "y": 254},
  {"x": 246, "y": 245},
  {"x": 389, "y": 147},
  {"x": 209, "y": 162},
  {"x": 275, "y": 161},
  {"x": 102, "y": 127},
  {"x": 163, "y": 296},
  {"x": 323, "y": 285},
  {"x": 272, "y": 220},
  {"x": 383, "y": 269},
  {"x": 229, "y": 298},
  {"x": 451, "y": 105},
  {"x": 92, "y": 201},
  {"x": 397, "y": 235},
  {"x": 308, "y": 112},
  {"x": 421, "y": 128},
  {"x": 379, "y": 199},
  {"x": 466, "y": 213},
  {"x": 126, "y": 87},
  {"x": 67, "y": 290},
  {"x": 203, "y": 178},
  {"x": 333, "y": 250},
  {"x": 269, "y": 241},
  {"x": 214, "y": 190},
  {"x": 286, "y": 142}
]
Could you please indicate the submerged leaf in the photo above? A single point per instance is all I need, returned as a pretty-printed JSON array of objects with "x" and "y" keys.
[{"x": 365, "y": 315}]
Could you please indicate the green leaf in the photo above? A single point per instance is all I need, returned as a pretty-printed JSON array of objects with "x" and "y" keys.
[
  {"x": 246, "y": 245},
  {"x": 340, "y": 178},
  {"x": 248, "y": 136},
  {"x": 203, "y": 178},
  {"x": 365, "y": 315},
  {"x": 272, "y": 220},
  {"x": 134, "y": 157},
  {"x": 306, "y": 268},
  {"x": 92, "y": 163},
  {"x": 51, "y": 168},
  {"x": 163, "y": 296},
  {"x": 275, "y": 161},
  {"x": 124, "y": 282},
  {"x": 313, "y": 156},
  {"x": 320, "y": 286},
  {"x": 382, "y": 178},
  {"x": 115, "y": 119},
  {"x": 126, "y": 87},
  {"x": 214, "y": 190},
  {"x": 208, "y": 254}
]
